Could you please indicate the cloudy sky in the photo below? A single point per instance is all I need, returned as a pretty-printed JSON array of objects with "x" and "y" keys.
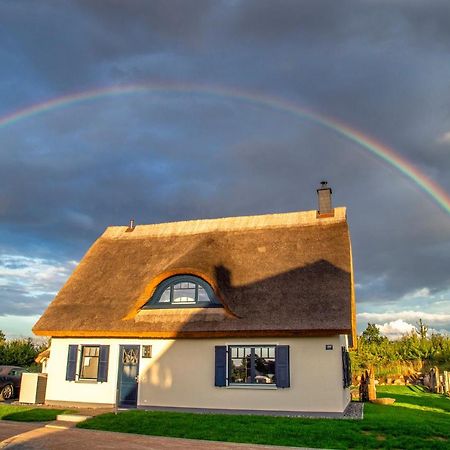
[{"x": 190, "y": 149}]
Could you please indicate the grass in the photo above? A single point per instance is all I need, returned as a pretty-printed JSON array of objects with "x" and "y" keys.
[
  {"x": 417, "y": 420},
  {"x": 28, "y": 413}
]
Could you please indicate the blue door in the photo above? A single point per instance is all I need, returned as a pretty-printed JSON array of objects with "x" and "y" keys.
[{"x": 128, "y": 375}]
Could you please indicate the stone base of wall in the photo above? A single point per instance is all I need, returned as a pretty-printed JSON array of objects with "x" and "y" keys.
[
  {"x": 353, "y": 411},
  {"x": 70, "y": 404}
]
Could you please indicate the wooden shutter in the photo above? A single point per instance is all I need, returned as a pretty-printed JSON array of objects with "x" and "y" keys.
[
  {"x": 282, "y": 366},
  {"x": 103, "y": 363},
  {"x": 346, "y": 368},
  {"x": 220, "y": 378},
  {"x": 71, "y": 362}
]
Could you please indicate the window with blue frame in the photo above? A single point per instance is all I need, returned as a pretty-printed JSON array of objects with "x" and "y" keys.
[
  {"x": 183, "y": 291},
  {"x": 90, "y": 360},
  {"x": 252, "y": 365}
]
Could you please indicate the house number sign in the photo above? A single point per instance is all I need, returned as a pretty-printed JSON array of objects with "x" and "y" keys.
[{"x": 146, "y": 351}]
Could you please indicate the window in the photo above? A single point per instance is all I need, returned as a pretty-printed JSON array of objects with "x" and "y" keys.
[
  {"x": 87, "y": 362},
  {"x": 251, "y": 365},
  {"x": 183, "y": 291}
]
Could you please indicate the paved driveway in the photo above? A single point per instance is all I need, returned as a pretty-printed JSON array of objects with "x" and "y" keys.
[
  {"x": 37, "y": 437},
  {"x": 9, "y": 428}
]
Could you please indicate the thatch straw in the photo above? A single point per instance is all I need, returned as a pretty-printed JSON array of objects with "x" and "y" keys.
[{"x": 280, "y": 274}]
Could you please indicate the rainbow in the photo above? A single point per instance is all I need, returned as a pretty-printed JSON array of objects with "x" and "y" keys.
[{"x": 381, "y": 151}]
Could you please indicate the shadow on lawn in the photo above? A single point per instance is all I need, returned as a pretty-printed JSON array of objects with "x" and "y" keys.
[{"x": 33, "y": 415}]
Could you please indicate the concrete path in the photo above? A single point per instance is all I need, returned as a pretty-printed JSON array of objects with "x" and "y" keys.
[{"x": 38, "y": 437}]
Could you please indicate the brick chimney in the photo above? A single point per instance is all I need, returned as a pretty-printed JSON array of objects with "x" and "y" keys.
[{"x": 325, "y": 208}]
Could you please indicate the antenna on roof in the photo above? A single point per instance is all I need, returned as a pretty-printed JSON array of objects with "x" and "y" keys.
[{"x": 131, "y": 226}]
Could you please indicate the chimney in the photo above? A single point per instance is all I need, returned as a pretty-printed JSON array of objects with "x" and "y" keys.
[{"x": 325, "y": 208}]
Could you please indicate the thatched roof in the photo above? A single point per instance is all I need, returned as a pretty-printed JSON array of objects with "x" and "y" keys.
[
  {"x": 42, "y": 356},
  {"x": 276, "y": 275}
]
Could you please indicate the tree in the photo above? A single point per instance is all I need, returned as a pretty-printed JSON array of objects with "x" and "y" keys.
[
  {"x": 422, "y": 329},
  {"x": 2, "y": 337},
  {"x": 372, "y": 335}
]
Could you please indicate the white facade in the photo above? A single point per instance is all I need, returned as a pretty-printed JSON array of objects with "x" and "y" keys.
[{"x": 181, "y": 373}]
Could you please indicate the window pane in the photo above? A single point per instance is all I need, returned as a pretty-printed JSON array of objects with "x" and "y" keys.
[
  {"x": 202, "y": 295},
  {"x": 243, "y": 358},
  {"x": 165, "y": 297},
  {"x": 264, "y": 366},
  {"x": 183, "y": 298},
  {"x": 91, "y": 351},
  {"x": 240, "y": 370},
  {"x": 182, "y": 293},
  {"x": 89, "y": 363},
  {"x": 129, "y": 356}
]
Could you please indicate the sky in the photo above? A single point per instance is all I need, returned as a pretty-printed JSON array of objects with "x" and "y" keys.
[{"x": 202, "y": 111}]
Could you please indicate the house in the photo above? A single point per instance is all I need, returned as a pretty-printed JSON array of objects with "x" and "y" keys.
[{"x": 243, "y": 313}]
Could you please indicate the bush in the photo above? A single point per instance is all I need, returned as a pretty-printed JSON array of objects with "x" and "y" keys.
[
  {"x": 19, "y": 352},
  {"x": 400, "y": 357}
]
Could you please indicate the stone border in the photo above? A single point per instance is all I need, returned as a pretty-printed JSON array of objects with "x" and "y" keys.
[{"x": 354, "y": 411}]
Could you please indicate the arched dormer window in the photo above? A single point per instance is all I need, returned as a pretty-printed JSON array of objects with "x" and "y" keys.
[{"x": 183, "y": 291}]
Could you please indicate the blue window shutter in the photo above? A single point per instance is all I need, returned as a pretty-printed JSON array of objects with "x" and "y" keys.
[
  {"x": 346, "y": 368},
  {"x": 282, "y": 366},
  {"x": 220, "y": 378},
  {"x": 103, "y": 363},
  {"x": 71, "y": 362}
]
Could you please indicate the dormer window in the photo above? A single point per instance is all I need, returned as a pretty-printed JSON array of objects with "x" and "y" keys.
[{"x": 183, "y": 291}]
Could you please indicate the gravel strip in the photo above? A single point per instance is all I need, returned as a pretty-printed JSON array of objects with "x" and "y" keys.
[{"x": 354, "y": 410}]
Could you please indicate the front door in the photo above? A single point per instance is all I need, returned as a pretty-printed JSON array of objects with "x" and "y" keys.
[{"x": 128, "y": 375}]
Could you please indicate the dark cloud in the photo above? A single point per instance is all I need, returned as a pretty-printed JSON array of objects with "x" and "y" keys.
[
  {"x": 379, "y": 66},
  {"x": 17, "y": 302},
  {"x": 381, "y": 22},
  {"x": 140, "y": 20}
]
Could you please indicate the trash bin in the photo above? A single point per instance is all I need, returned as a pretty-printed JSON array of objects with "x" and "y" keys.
[{"x": 32, "y": 388}]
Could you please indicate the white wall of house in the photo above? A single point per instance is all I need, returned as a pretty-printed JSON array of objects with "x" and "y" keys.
[
  {"x": 181, "y": 374},
  {"x": 44, "y": 363}
]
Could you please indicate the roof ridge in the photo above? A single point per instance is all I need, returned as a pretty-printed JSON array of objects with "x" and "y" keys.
[{"x": 240, "y": 223}]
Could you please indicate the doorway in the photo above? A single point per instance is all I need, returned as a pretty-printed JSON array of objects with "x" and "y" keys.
[{"x": 128, "y": 375}]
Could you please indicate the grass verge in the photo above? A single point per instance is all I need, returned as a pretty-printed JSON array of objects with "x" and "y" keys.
[
  {"x": 28, "y": 413},
  {"x": 417, "y": 420}
]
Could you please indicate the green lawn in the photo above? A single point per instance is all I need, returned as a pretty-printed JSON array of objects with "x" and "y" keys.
[
  {"x": 28, "y": 413},
  {"x": 417, "y": 420}
]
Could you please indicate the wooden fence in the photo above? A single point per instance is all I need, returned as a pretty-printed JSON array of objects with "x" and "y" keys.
[{"x": 437, "y": 382}]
